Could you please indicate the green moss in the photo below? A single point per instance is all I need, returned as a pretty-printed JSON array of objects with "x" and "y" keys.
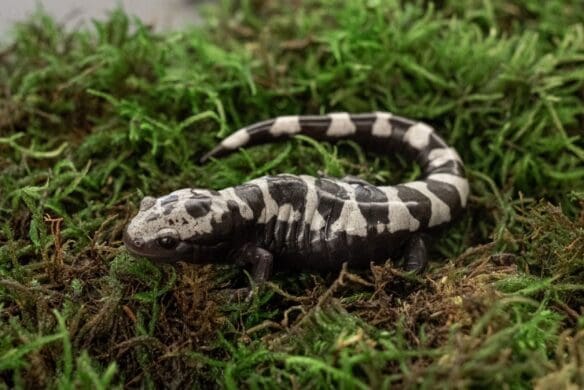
[{"x": 92, "y": 120}]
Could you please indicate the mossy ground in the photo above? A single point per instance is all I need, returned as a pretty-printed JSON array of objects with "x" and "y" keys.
[{"x": 92, "y": 120}]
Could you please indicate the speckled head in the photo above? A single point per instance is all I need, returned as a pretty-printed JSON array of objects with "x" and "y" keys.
[{"x": 186, "y": 225}]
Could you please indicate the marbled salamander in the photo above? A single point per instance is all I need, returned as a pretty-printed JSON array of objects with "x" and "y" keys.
[{"x": 310, "y": 222}]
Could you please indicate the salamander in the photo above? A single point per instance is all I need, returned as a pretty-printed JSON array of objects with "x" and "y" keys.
[{"x": 304, "y": 222}]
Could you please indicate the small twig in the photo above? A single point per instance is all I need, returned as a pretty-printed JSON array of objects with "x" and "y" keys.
[
  {"x": 359, "y": 280},
  {"x": 283, "y": 293},
  {"x": 568, "y": 310},
  {"x": 297, "y": 44},
  {"x": 286, "y": 321},
  {"x": 56, "y": 232},
  {"x": 473, "y": 251},
  {"x": 129, "y": 313},
  {"x": 139, "y": 340},
  {"x": 333, "y": 287},
  {"x": 264, "y": 325}
]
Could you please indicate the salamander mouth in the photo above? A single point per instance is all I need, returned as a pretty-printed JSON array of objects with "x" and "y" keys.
[
  {"x": 185, "y": 251},
  {"x": 160, "y": 257},
  {"x": 143, "y": 249}
]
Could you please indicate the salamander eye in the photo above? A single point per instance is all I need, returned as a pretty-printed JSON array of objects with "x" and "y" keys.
[{"x": 167, "y": 242}]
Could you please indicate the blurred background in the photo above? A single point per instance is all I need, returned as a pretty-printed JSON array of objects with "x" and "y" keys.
[{"x": 162, "y": 15}]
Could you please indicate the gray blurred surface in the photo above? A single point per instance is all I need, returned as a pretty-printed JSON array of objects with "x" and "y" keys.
[{"x": 162, "y": 14}]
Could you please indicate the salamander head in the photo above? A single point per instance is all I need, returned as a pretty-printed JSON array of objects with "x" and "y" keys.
[{"x": 187, "y": 225}]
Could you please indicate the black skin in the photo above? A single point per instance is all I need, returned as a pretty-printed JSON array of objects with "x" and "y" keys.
[
  {"x": 261, "y": 261},
  {"x": 415, "y": 257}
]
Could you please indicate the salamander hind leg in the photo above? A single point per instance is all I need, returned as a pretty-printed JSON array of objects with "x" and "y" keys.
[{"x": 416, "y": 253}]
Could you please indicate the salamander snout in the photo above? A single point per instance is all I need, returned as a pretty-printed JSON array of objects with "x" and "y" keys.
[{"x": 130, "y": 242}]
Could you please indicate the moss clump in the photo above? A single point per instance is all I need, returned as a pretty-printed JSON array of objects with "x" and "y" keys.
[{"x": 91, "y": 120}]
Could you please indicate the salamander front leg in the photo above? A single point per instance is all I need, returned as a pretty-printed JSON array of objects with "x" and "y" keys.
[
  {"x": 261, "y": 262},
  {"x": 416, "y": 253}
]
